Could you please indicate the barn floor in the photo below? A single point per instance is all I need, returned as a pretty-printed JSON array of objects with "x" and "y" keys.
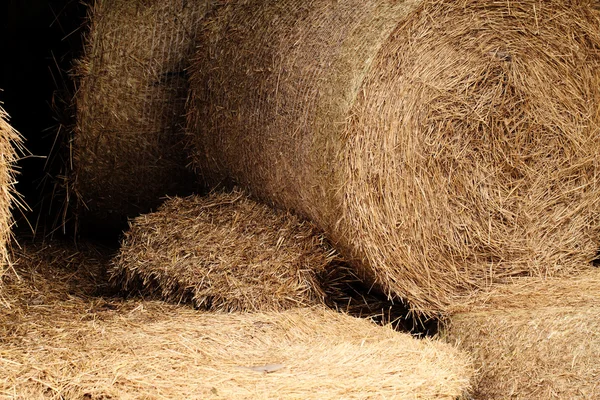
[{"x": 65, "y": 335}]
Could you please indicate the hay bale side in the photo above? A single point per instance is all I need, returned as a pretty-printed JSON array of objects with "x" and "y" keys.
[
  {"x": 441, "y": 145},
  {"x": 10, "y": 144},
  {"x": 534, "y": 340},
  {"x": 60, "y": 341},
  {"x": 132, "y": 86}
]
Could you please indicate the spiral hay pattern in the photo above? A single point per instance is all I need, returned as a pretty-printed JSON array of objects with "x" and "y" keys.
[{"x": 442, "y": 146}]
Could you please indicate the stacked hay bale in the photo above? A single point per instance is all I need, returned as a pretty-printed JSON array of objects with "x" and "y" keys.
[
  {"x": 60, "y": 341},
  {"x": 534, "y": 339},
  {"x": 10, "y": 143},
  {"x": 127, "y": 147},
  {"x": 224, "y": 252},
  {"x": 441, "y": 145}
]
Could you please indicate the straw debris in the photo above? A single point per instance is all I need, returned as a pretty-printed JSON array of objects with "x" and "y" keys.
[
  {"x": 10, "y": 145},
  {"x": 132, "y": 87},
  {"x": 56, "y": 344},
  {"x": 442, "y": 146},
  {"x": 534, "y": 339}
]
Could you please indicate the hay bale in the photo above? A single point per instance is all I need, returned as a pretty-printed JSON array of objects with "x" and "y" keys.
[
  {"x": 10, "y": 144},
  {"x": 74, "y": 345},
  {"x": 441, "y": 145},
  {"x": 224, "y": 252},
  {"x": 534, "y": 340},
  {"x": 132, "y": 89}
]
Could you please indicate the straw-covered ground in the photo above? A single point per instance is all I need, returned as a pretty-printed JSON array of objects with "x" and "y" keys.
[
  {"x": 442, "y": 146},
  {"x": 132, "y": 88},
  {"x": 10, "y": 145},
  {"x": 60, "y": 338},
  {"x": 534, "y": 339}
]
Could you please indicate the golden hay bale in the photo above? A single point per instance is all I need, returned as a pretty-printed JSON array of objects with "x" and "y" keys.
[
  {"x": 224, "y": 252},
  {"x": 10, "y": 144},
  {"x": 130, "y": 102},
  {"x": 58, "y": 344},
  {"x": 534, "y": 340},
  {"x": 441, "y": 145}
]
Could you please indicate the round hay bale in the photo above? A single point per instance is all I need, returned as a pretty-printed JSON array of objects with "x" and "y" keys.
[
  {"x": 224, "y": 252},
  {"x": 132, "y": 86},
  {"x": 60, "y": 341},
  {"x": 441, "y": 145},
  {"x": 10, "y": 144},
  {"x": 534, "y": 340}
]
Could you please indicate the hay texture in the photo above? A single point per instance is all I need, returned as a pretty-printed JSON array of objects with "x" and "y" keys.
[
  {"x": 77, "y": 346},
  {"x": 227, "y": 252},
  {"x": 441, "y": 145},
  {"x": 224, "y": 252},
  {"x": 132, "y": 89},
  {"x": 10, "y": 144},
  {"x": 534, "y": 339}
]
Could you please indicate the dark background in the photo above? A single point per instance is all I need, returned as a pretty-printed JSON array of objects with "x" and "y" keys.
[{"x": 39, "y": 39}]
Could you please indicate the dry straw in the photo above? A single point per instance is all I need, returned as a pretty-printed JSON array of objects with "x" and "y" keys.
[
  {"x": 132, "y": 88},
  {"x": 224, "y": 252},
  {"x": 442, "y": 146},
  {"x": 534, "y": 339},
  {"x": 227, "y": 252},
  {"x": 60, "y": 342},
  {"x": 10, "y": 145}
]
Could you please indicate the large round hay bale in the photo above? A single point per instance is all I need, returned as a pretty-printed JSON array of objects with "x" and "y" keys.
[
  {"x": 534, "y": 340},
  {"x": 132, "y": 87},
  {"x": 10, "y": 143},
  {"x": 441, "y": 145},
  {"x": 224, "y": 252},
  {"x": 61, "y": 341}
]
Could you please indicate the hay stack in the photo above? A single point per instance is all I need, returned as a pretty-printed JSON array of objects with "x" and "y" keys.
[
  {"x": 228, "y": 252},
  {"x": 441, "y": 145},
  {"x": 224, "y": 252},
  {"x": 127, "y": 150},
  {"x": 10, "y": 143},
  {"x": 534, "y": 340},
  {"x": 59, "y": 344}
]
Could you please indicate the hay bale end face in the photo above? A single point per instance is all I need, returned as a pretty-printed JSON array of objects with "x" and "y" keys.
[
  {"x": 224, "y": 252},
  {"x": 534, "y": 340},
  {"x": 105, "y": 347},
  {"x": 127, "y": 147},
  {"x": 441, "y": 145},
  {"x": 10, "y": 144}
]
